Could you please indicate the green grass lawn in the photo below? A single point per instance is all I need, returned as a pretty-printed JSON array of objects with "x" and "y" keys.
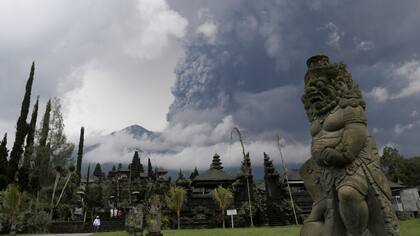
[{"x": 408, "y": 228}]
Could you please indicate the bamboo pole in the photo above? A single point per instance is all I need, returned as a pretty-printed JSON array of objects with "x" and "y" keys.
[
  {"x": 287, "y": 180},
  {"x": 57, "y": 178},
  {"x": 247, "y": 173},
  {"x": 64, "y": 188}
]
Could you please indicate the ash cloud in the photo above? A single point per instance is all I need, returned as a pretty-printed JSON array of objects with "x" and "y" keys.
[
  {"x": 244, "y": 63},
  {"x": 253, "y": 68}
]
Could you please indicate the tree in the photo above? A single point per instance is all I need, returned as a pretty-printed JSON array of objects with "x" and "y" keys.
[
  {"x": 175, "y": 201},
  {"x": 409, "y": 172},
  {"x": 4, "y": 152},
  {"x": 397, "y": 168},
  {"x": 391, "y": 162},
  {"x": 98, "y": 171},
  {"x": 13, "y": 206},
  {"x": 30, "y": 138},
  {"x": 42, "y": 155},
  {"x": 88, "y": 176},
  {"x": 60, "y": 149},
  {"x": 95, "y": 197},
  {"x": 194, "y": 174},
  {"x": 21, "y": 129},
  {"x": 80, "y": 153},
  {"x": 180, "y": 175},
  {"x": 24, "y": 174},
  {"x": 150, "y": 173},
  {"x": 45, "y": 125},
  {"x": 223, "y": 197}
]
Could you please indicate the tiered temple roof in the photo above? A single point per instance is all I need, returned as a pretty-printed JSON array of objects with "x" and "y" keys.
[
  {"x": 214, "y": 176},
  {"x": 246, "y": 169},
  {"x": 269, "y": 169}
]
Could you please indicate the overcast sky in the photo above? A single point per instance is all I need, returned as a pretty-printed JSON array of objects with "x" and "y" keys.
[{"x": 193, "y": 69}]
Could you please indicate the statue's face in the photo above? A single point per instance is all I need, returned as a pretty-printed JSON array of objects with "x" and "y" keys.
[
  {"x": 320, "y": 95},
  {"x": 317, "y": 93}
]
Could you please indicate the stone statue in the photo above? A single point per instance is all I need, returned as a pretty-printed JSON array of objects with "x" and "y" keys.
[
  {"x": 134, "y": 221},
  {"x": 350, "y": 192},
  {"x": 155, "y": 223}
]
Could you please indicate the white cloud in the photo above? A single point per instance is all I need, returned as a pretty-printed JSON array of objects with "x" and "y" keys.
[
  {"x": 410, "y": 73},
  {"x": 231, "y": 154},
  {"x": 208, "y": 27},
  {"x": 364, "y": 45},
  {"x": 209, "y": 30},
  {"x": 407, "y": 73},
  {"x": 274, "y": 44},
  {"x": 380, "y": 94},
  {"x": 21, "y": 20},
  {"x": 189, "y": 146},
  {"x": 399, "y": 128},
  {"x": 334, "y": 35},
  {"x": 111, "y": 62},
  {"x": 110, "y": 98},
  {"x": 154, "y": 24}
]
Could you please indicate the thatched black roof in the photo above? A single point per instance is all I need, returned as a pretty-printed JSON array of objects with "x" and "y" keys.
[{"x": 215, "y": 174}]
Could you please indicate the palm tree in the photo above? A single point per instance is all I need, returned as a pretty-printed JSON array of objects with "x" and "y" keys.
[
  {"x": 13, "y": 205},
  {"x": 175, "y": 201},
  {"x": 223, "y": 198}
]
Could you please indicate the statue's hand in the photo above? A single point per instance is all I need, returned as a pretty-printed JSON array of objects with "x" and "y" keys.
[{"x": 332, "y": 157}]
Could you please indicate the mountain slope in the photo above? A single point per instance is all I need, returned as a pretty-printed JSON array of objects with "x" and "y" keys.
[{"x": 136, "y": 131}]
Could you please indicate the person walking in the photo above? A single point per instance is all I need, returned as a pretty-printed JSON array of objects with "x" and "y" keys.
[{"x": 97, "y": 223}]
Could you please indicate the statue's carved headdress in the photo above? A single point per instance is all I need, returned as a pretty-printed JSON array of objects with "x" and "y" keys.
[{"x": 328, "y": 86}]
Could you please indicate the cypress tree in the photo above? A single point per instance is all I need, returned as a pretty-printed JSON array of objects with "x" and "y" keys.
[
  {"x": 149, "y": 168},
  {"x": 3, "y": 163},
  {"x": 80, "y": 153},
  {"x": 21, "y": 128},
  {"x": 194, "y": 174},
  {"x": 3, "y": 154},
  {"x": 45, "y": 125},
  {"x": 88, "y": 176},
  {"x": 29, "y": 148},
  {"x": 180, "y": 174},
  {"x": 23, "y": 172}
]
